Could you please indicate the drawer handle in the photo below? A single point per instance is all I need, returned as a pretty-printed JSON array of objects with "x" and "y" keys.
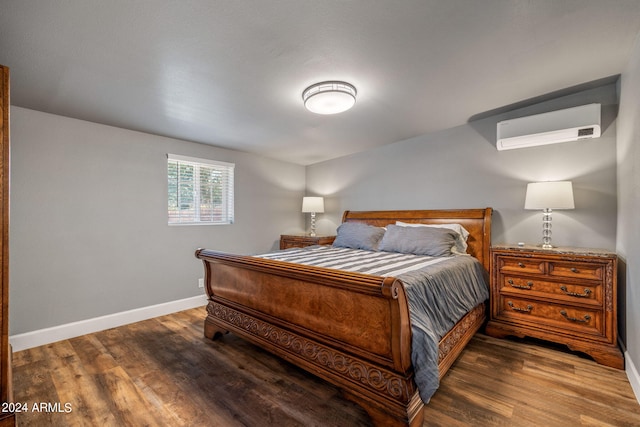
[
  {"x": 527, "y": 286},
  {"x": 575, "y": 270},
  {"x": 521, "y": 265},
  {"x": 586, "y": 294},
  {"x": 520, "y": 309},
  {"x": 575, "y": 319}
]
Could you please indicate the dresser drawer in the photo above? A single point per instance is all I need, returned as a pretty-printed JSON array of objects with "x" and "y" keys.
[
  {"x": 521, "y": 265},
  {"x": 589, "y": 292},
  {"x": 295, "y": 244},
  {"x": 576, "y": 270},
  {"x": 556, "y": 316},
  {"x": 288, "y": 241}
]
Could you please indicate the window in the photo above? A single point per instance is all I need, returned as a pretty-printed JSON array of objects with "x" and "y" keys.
[{"x": 200, "y": 191}]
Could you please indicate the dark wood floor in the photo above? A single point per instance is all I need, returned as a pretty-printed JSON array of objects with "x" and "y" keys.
[{"x": 163, "y": 372}]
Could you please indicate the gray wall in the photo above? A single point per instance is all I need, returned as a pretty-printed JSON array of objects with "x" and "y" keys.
[
  {"x": 628, "y": 243},
  {"x": 89, "y": 233},
  {"x": 461, "y": 168}
]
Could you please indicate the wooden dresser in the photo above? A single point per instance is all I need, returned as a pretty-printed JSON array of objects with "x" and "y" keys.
[
  {"x": 301, "y": 240},
  {"x": 564, "y": 295},
  {"x": 7, "y": 418}
]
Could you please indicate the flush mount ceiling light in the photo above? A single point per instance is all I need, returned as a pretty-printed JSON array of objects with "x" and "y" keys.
[{"x": 329, "y": 97}]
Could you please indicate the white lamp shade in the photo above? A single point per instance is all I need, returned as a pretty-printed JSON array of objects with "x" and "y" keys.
[
  {"x": 313, "y": 204},
  {"x": 549, "y": 195}
]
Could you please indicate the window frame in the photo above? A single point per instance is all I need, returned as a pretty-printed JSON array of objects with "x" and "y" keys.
[{"x": 227, "y": 191}]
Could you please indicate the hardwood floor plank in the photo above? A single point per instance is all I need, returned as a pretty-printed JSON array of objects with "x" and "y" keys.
[
  {"x": 499, "y": 384},
  {"x": 92, "y": 354},
  {"x": 163, "y": 372},
  {"x": 31, "y": 355},
  {"x": 35, "y": 388},
  {"x": 586, "y": 420},
  {"x": 160, "y": 381},
  {"x": 75, "y": 386},
  {"x": 130, "y": 404}
]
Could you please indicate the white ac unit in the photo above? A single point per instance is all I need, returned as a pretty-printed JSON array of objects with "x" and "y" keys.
[{"x": 570, "y": 124}]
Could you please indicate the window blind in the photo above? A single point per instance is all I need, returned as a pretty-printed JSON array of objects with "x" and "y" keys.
[{"x": 200, "y": 191}]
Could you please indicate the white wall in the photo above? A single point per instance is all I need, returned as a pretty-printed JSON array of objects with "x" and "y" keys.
[
  {"x": 628, "y": 242},
  {"x": 89, "y": 234},
  {"x": 461, "y": 168}
]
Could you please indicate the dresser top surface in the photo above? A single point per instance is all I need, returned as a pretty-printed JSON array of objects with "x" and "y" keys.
[
  {"x": 560, "y": 250},
  {"x": 306, "y": 236}
]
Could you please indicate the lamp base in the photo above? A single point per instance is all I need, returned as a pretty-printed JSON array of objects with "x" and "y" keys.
[
  {"x": 313, "y": 225},
  {"x": 546, "y": 229}
]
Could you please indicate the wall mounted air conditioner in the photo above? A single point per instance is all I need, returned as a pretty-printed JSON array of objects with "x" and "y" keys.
[{"x": 571, "y": 124}]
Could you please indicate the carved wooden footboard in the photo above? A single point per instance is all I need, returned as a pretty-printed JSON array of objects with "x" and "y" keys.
[{"x": 350, "y": 329}]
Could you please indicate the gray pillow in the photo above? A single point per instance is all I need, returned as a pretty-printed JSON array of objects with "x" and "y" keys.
[
  {"x": 418, "y": 240},
  {"x": 356, "y": 235}
]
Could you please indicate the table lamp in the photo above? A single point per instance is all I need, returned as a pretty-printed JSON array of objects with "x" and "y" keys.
[
  {"x": 313, "y": 205},
  {"x": 548, "y": 196}
]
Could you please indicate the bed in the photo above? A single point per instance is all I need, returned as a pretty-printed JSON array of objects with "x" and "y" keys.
[{"x": 349, "y": 328}]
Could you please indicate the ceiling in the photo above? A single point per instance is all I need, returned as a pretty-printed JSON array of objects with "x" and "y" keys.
[{"x": 231, "y": 73}]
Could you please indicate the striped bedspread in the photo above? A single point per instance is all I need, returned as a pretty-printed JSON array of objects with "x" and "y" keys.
[
  {"x": 440, "y": 292},
  {"x": 386, "y": 264}
]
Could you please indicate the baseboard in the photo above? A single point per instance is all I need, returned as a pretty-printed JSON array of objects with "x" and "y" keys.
[
  {"x": 632, "y": 374},
  {"x": 83, "y": 327},
  {"x": 631, "y": 371}
]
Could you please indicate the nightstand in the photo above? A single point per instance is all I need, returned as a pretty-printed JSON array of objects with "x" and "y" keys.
[
  {"x": 301, "y": 240},
  {"x": 564, "y": 295}
]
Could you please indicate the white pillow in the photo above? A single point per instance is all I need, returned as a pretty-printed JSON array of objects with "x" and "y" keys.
[{"x": 460, "y": 248}]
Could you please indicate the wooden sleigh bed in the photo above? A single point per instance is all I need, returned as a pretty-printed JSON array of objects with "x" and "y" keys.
[{"x": 350, "y": 329}]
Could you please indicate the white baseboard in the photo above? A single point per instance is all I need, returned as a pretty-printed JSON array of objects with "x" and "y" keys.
[
  {"x": 632, "y": 374},
  {"x": 83, "y": 327}
]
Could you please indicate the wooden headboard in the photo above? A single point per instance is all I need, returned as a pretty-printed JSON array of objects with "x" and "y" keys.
[{"x": 476, "y": 221}]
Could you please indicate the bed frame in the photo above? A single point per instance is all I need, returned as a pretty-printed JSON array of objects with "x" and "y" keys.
[{"x": 350, "y": 329}]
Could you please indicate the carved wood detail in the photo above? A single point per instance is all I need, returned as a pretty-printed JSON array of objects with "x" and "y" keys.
[
  {"x": 339, "y": 363},
  {"x": 470, "y": 321},
  {"x": 608, "y": 284}
]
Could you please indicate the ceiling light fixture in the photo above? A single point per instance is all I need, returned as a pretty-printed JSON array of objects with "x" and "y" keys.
[{"x": 329, "y": 97}]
